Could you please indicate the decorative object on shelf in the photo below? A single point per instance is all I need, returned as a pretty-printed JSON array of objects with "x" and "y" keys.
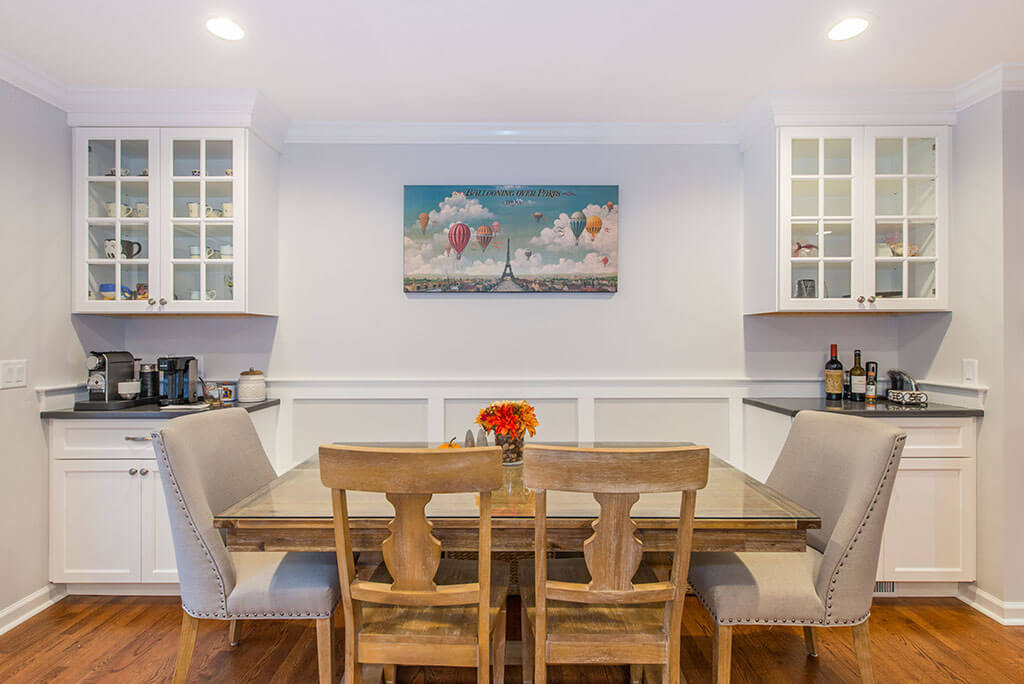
[
  {"x": 252, "y": 386},
  {"x": 469, "y": 441},
  {"x": 125, "y": 172},
  {"x": 195, "y": 172},
  {"x": 141, "y": 290},
  {"x": 144, "y": 172},
  {"x": 111, "y": 172},
  {"x": 509, "y": 421},
  {"x": 805, "y": 288},
  {"x": 445, "y": 253},
  {"x": 229, "y": 172},
  {"x": 227, "y": 210},
  {"x": 450, "y": 444},
  {"x": 110, "y": 250},
  {"x": 193, "y": 209},
  {"x": 142, "y": 210},
  {"x": 804, "y": 250},
  {"x": 130, "y": 249}
]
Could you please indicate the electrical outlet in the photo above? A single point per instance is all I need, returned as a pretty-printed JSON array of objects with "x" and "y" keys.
[
  {"x": 13, "y": 374},
  {"x": 969, "y": 371}
]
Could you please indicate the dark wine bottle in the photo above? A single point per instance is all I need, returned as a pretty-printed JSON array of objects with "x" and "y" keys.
[
  {"x": 858, "y": 378},
  {"x": 833, "y": 377}
]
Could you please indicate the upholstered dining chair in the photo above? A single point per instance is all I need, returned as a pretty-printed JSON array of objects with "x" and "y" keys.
[
  {"x": 208, "y": 462},
  {"x": 418, "y": 608},
  {"x": 607, "y": 607},
  {"x": 842, "y": 468}
]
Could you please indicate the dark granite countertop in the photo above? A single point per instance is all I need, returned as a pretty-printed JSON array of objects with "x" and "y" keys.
[
  {"x": 790, "y": 406},
  {"x": 147, "y": 411}
]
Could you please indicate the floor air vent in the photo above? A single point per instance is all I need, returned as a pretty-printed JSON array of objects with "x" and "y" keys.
[{"x": 885, "y": 588}]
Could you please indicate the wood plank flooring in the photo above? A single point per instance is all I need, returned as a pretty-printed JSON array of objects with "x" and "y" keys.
[{"x": 106, "y": 639}]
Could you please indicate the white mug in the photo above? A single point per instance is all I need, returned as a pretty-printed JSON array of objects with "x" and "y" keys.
[
  {"x": 127, "y": 211},
  {"x": 228, "y": 209},
  {"x": 193, "y": 209},
  {"x": 211, "y": 294},
  {"x": 110, "y": 248},
  {"x": 193, "y": 251},
  {"x": 227, "y": 251},
  {"x": 112, "y": 208},
  {"x": 142, "y": 210}
]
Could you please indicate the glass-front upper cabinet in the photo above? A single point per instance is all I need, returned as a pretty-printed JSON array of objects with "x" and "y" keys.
[
  {"x": 863, "y": 216},
  {"x": 203, "y": 219},
  {"x": 115, "y": 231}
]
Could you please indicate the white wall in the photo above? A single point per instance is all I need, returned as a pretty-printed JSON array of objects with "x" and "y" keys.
[{"x": 35, "y": 191}]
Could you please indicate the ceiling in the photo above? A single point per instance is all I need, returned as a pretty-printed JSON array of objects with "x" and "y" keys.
[{"x": 529, "y": 60}]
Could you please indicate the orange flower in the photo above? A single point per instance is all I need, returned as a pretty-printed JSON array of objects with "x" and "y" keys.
[{"x": 514, "y": 418}]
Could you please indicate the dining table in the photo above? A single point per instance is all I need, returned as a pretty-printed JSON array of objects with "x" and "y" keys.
[{"x": 735, "y": 512}]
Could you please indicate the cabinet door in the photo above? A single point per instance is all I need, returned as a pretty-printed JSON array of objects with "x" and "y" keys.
[
  {"x": 908, "y": 207},
  {"x": 204, "y": 220},
  {"x": 94, "y": 521},
  {"x": 158, "y": 564},
  {"x": 115, "y": 204},
  {"x": 930, "y": 528}
]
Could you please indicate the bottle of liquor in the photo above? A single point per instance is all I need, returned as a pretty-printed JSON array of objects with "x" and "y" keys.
[
  {"x": 833, "y": 377},
  {"x": 871, "y": 395},
  {"x": 858, "y": 378}
]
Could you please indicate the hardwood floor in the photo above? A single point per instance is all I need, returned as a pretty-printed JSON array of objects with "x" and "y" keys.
[{"x": 93, "y": 639}]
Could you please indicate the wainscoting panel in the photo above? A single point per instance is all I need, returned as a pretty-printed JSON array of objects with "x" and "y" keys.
[
  {"x": 315, "y": 421},
  {"x": 558, "y": 418},
  {"x": 702, "y": 420}
]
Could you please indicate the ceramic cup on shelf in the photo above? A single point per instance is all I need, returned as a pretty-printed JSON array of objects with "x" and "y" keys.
[
  {"x": 112, "y": 208},
  {"x": 227, "y": 209},
  {"x": 193, "y": 209},
  {"x": 110, "y": 248},
  {"x": 195, "y": 172},
  {"x": 211, "y": 294},
  {"x": 142, "y": 210}
]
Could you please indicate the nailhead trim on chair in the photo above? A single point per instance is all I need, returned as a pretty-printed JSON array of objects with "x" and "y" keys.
[{"x": 835, "y": 573}]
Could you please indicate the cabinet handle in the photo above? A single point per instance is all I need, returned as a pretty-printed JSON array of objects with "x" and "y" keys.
[
  {"x": 152, "y": 301},
  {"x": 163, "y": 302},
  {"x": 860, "y": 300},
  {"x": 138, "y": 439},
  {"x": 871, "y": 299},
  {"x": 144, "y": 472},
  {"x": 132, "y": 471}
]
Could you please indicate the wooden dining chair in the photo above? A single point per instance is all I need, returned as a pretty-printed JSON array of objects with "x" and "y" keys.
[
  {"x": 417, "y": 608},
  {"x": 607, "y": 607}
]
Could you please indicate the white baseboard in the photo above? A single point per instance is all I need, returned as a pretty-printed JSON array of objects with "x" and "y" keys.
[
  {"x": 1003, "y": 612},
  {"x": 126, "y": 589},
  {"x": 19, "y": 611}
]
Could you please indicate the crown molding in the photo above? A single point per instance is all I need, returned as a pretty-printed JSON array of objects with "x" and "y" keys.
[
  {"x": 33, "y": 81},
  {"x": 512, "y": 133},
  {"x": 863, "y": 108},
  {"x": 999, "y": 79}
]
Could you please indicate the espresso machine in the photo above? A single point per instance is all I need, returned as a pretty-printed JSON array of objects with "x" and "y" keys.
[
  {"x": 179, "y": 380},
  {"x": 106, "y": 370}
]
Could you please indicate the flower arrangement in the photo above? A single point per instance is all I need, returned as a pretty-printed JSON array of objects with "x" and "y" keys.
[{"x": 509, "y": 421}]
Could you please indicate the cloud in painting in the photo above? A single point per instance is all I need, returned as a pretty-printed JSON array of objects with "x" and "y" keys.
[
  {"x": 456, "y": 208},
  {"x": 559, "y": 238}
]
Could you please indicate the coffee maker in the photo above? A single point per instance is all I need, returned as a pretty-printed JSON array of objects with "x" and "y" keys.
[
  {"x": 106, "y": 370},
  {"x": 179, "y": 380}
]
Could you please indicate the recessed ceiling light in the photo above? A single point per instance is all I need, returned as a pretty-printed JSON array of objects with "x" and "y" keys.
[
  {"x": 222, "y": 27},
  {"x": 848, "y": 28}
]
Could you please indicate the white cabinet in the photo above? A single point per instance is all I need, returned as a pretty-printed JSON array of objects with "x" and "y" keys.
[
  {"x": 157, "y": 547},
  {"x": 162, "y": 222},
  {"x": 862, "y": 221}
]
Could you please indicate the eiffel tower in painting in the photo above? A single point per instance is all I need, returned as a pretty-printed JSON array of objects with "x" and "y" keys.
[{"x": 507, "y": 282}]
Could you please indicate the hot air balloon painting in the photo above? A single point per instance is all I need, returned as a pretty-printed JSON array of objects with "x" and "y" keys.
[
  {"x": 509, "y": 238},
  {"x": 458, "y": 237}
]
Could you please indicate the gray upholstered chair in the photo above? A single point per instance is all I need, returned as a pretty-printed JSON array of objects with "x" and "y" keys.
[
  {"x": 208, "y": 462},
  {"x": 842, "y": 468}
]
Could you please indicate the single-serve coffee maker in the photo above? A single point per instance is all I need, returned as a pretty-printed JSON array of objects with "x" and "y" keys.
[
  {"x": 179, "y": 380},
  {"x": 106, "y": 371}
]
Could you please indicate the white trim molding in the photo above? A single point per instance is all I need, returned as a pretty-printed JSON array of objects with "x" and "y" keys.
[
  {"x": 1003, "y": 612},
  {"x": 36, "y": 602},
  {"x": 863, "y": 108},
  {"x": 999, "y": 79},
  {"x": 33, "y": 81}
]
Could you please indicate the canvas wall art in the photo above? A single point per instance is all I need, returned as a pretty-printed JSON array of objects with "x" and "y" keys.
[{"x": 511, "y": 238}]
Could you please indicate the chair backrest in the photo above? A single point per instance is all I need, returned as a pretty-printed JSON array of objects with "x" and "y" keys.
[
  {"x": 412, "y": 554},
  {"x": 842, "y": 468},
  {"x": 208, "y": 461},
  {"x": 616, "y": 478}
]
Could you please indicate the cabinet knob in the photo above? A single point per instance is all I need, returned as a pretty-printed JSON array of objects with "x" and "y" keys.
[
  {"x": 132, "y": 471},
  {"x": 144, "y": 472},
  {"x": 860, "y": 300},
  {"x": 871, "y": 299},
  {"x": 163, "y": 302},
  {"x": 152, "y": 301}
]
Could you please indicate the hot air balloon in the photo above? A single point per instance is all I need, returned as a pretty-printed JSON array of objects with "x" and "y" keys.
[
  {"x": 604, "y": 260},
  {"x": 577, "y": 222},
  {"x": 424, "y": 220},
  {"x": 609, "y": 205},
  {"x": 528, "y": 253},
  {"x": 458, "y": 237},
  {"x": 496, "y": 227},
  {"x": 484, "y": 235},
  {"x": 537, "y": 216},
  {"x": 593, "y": 226}
]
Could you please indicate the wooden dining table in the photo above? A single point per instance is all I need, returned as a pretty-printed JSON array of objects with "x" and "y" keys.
[{"x": 734, "y": 512}]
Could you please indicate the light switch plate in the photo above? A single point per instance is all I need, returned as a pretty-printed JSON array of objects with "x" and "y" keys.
[
  {"x": 969, "y": 371},
  {"x": 13, "y": 374}
]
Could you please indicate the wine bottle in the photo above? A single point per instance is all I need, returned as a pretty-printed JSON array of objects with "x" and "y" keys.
[
  {"x": 871, "y": 395},
  {"x": 833, "y": 377},
  {"x": 858, "y": 378}
]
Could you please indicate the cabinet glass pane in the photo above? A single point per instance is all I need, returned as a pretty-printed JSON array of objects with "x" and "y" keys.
[
  {"x": 134, "y": 281},
  {"x": 888, "y": 197},
  {"x": 186, "y": 282},
  {"x": 836, "y": 238},
  {"x": 888, "y": 155},
  {"x": 101, "y": 282},
  {"x": 186, "y": 241},
  {"x": 219, "y": 158},
  {"x": 134, "y": 157},
  {"x": 838, "y": 198},
  {"x": 135, "y": 241},
  {"x": 805, "y": 281},
  {"x": 186, "y": 158},
  {"x": 921, "y": 279},
  {"x": 134, "y": 198},
  {"x": 805, "y": 198},
  {"x": 838, "y": 160},
  {"x": 220, "y": 241},
  {"x": 922, "y": 238},
  {"x": 219, "y": 198},
  {"x": 888, "y": 239},
  {"x": 888, "y": 279},
  {"x": 921, "y": 155},
  {"x": 220, "y": 282},
  {"x": 837, "y": 280},
  {"x": 101, "y": 158},
  {"x": 101, "y": 199},
  {"x": 101, "y": 239},
  {"x": 186, "y": 199},
  {"x": 921, "y": 196},
  {"x": 805, "y": 157},
  {"x": 804, "y": 240}
]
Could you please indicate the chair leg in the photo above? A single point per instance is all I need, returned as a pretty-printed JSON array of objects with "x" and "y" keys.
[
  {"x": 234, "y": 629},
  {"x": 498, "y": 647},
  {"x": 390, "y": 672},
  {"x": 811, "y": 639},
  {"x": 862, "y": 644},
  {"x": 723, "y": 653},
  {"x": 528, "y": 655},
  {"x": 186, "y": 645},
  {"x": 325, "y": 649},
  {"x": 636, "y": 674}
]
